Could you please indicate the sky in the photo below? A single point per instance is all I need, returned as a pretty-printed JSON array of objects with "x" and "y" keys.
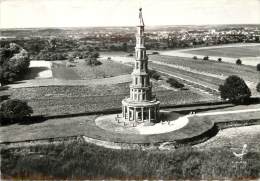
[{"x": 85, "y": 13}]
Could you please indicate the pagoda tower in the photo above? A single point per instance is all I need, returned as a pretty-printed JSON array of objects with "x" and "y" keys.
[{"x": 142, "y": 105}]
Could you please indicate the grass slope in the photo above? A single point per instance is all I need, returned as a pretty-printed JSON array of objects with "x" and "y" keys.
[
  {"x": 233, "y": 52},
  {"x": 76, "y": 160}
]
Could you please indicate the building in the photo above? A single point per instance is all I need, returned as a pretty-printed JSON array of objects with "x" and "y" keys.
[{"x": 142, "y": 105}]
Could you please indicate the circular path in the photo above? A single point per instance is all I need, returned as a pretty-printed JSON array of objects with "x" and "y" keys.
[{"x": 191, "y": 131}]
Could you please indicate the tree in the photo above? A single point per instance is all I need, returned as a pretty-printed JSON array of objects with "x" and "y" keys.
[
  {"x": 235, "y": 90},
  {"x": 206, "y": 58},
  {"x": 14, "y": 109},
  {"x": 195, "y": 57},
  {"x": 238, "y": 62},
  {"x": 14, "y": 62},
  {"x": 258, "y": 67}
]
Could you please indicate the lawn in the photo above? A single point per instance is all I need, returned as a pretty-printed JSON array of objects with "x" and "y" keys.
[
  {"x": 233, "y": 52},
  {"x": 80, "y": 70},
  {"x": 57, "y": 100}
]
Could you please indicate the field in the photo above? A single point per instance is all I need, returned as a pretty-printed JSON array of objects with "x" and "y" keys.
[
  {"x": 233, "y": 52},
  {"x": 80, "y": 70},
  {"x": 210, "y": 67},
  {"x": 57, "y": 100},
  {"x": 208, "y": 73}
]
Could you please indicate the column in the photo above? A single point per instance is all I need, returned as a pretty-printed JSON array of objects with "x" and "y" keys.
[
  {"x": 149, "y": 114},
  {"x": 134, "y": 113},
  {"x": 123, "y": 111},
  {"x": 155, "y": 113},
  {"x": 128, "y": 114},
  {"x": 142, "y": 110}
]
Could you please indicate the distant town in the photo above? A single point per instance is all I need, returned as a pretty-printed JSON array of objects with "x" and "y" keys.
[{"x": 40, "y": 42}]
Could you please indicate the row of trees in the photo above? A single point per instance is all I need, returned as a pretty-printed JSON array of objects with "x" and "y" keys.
[{"x": 14, "y": 62}]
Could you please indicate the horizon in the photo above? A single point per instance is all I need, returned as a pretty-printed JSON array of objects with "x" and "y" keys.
[
  {"x": 147, "y": 26},
  {"x": 116, "y": 13}
]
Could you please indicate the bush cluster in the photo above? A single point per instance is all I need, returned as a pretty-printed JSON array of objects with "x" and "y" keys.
[
  {"x": 13, "y": 111},
  {"x": 154, "y": 74},
  {"x": 239, "y": 62},
  {"x": 14, "y": 62},
  {"x": 174, "y": 83},
  {"x": 206, "y": 58},
  {"x": 91, "y": 59}
]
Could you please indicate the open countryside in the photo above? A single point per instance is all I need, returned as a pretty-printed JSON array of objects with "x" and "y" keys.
[{"x": 163, "y": 102}]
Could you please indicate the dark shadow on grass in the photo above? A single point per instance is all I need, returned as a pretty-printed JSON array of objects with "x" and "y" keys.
[
  {"x": 23, "y": 121},
  {"x": 3, "y": 88},
  {"x": 4, "y": 97},
  {"x": 251, "y": 100},
  {"x": 33, "y": 120}
]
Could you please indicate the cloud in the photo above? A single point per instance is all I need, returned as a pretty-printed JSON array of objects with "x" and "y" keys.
[{"x": 66, "y": 13}]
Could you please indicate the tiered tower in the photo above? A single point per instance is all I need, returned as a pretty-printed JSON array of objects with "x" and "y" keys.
[{"x": 142, "y": 105}]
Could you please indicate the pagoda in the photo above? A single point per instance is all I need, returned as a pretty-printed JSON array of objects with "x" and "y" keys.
[{"x": 142, "y": 105}]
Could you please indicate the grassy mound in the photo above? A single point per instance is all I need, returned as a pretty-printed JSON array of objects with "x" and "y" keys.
[{"x": 84, "y": 161}]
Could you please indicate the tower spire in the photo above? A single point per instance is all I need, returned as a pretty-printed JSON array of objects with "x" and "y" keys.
[{"x": 141, "y": 21}]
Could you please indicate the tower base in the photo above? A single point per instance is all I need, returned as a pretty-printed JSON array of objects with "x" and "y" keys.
[{"x": 143, "y": 111}]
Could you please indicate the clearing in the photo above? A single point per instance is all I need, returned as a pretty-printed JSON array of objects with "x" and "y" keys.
[{"x": 79, "y": 70}]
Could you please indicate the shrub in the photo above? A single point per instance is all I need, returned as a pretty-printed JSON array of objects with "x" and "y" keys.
[
  {"x": 174, "y": 83},
  {"x": 195, "y": 57},
  {"x": 239, "y": 62},
  {"x": 206, "y": 58},
  {"x": 155, "y": 53},
  {"x": 258, "y": 67},
  {"x": 14, "y": 110},
  {"x": 130, "y": 55},
  {"x": 235, "y": 90},
  {"x": 258, "y": 87},
  {"x": 219, "y": 59},
  {"x": 154, "y": 74},
  {"x": 92, "y": 62}
]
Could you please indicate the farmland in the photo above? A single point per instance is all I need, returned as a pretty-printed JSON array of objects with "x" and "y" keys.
[
  {"x": 234, "y": 52},
  {"x": 210, "y": 67},
  {"x": 80, "y": 70},
  {"x": 208, "y": 73}
]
